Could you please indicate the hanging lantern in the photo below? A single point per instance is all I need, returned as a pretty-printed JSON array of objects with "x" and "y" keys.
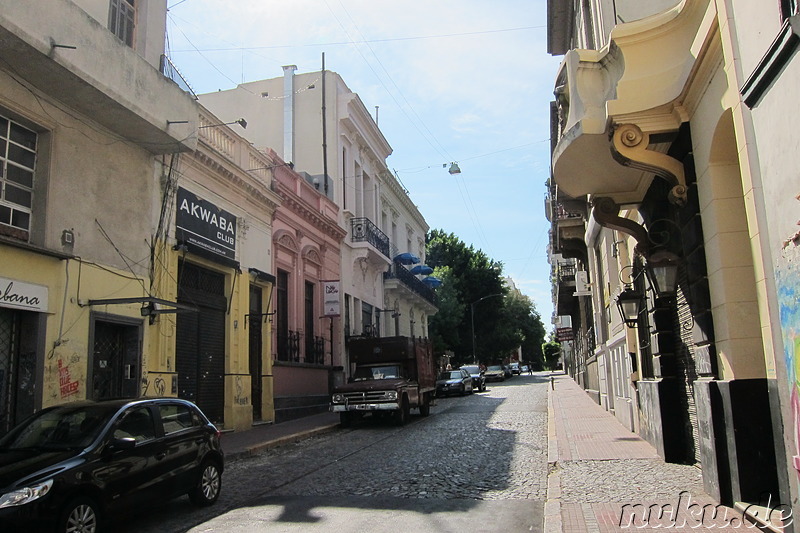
[
  {"x": 630, "y": 303},
  {"x": 662, "y": 271}
]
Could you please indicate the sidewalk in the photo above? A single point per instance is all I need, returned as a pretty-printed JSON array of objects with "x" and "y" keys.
[
  {"x": 605, "y": 478},
  {"x": 263, "y": 436}
]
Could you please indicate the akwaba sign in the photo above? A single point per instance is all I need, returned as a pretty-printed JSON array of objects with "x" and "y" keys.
[{"x": 201, "y": 223}]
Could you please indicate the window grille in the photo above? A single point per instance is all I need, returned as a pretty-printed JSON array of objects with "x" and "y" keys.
[{"x": 17, "y": 166}]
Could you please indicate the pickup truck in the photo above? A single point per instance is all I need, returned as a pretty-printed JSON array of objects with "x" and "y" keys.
[{"x": 391, "y": 376}]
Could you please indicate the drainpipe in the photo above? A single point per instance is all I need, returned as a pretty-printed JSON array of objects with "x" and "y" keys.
[{"x": 288, "y": 112}]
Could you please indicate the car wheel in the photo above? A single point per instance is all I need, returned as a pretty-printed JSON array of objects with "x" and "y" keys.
[
  {"x": 401, "y": 417},
  {"x": 209, "y": 485},
  {"x": 79, "y": 515}
]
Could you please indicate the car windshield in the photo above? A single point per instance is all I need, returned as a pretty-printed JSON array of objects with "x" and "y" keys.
[
  {"x": 364, "y": 373},
  {"x": 495, "y": 367},
  {"x": 454, "y": 374},
  {"x": 61, "y": 428},
  {"x": 472, "y": 369}
]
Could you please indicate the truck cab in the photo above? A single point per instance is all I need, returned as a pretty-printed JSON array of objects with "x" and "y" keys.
[{"x": 391, "y": 376}]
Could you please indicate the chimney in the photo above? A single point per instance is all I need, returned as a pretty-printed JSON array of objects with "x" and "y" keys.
[{"x": 288, "y": 112}]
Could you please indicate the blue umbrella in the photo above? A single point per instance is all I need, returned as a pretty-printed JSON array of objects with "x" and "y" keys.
[
  {"x": 406, "y": 259},
  {"x": 422, "y": 270},
  {"x": 432, "y": 282}
]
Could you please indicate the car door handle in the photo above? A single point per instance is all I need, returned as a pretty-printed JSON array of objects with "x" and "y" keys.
[{"x": 161, "y": 455}]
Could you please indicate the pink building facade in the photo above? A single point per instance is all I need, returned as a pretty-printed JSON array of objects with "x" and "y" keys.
[{"x": 306, "y": 258}]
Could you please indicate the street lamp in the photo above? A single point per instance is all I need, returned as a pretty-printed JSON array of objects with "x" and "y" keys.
[
  {"x": 629, "y": 302},
  {"x": 662, "y": 271},
  {"x": 472, "y": 321}
]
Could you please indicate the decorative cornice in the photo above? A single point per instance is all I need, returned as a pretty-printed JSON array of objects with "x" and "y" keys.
[
  {"x": 307, "y": 212},
  {"x": 256, "y": 192},
  {"x": 402, "y": 195},
  {"x": 312, "y": 254}
]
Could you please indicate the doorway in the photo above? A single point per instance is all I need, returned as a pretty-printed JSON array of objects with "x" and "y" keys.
[
  {"x": 256, "y": 349},
  {"x": 115, "y": 367}
]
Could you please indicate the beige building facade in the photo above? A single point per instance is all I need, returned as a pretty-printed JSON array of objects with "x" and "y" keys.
[
  {"x": 664, "y": 162},
  {"x": 379, "y": 297}
]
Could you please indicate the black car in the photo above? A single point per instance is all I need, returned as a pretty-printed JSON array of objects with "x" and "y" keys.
[
  {"x": 478, "y": 379},
  {"x": 453, "y": 382},
  {"x": 71, "y": 467}
]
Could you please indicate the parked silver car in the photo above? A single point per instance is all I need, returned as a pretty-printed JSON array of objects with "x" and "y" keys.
[{"x": 495, "y": 373}]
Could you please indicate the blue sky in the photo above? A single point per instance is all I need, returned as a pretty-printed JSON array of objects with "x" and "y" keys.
[{"x": 468, "y": 81}]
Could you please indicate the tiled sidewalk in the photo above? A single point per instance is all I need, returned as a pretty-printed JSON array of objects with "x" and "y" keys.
[{"x": 604, "y": 478}]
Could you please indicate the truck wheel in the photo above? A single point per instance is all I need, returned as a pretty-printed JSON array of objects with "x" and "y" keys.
[
  {"x": 345, "y": 419},
  {"x": 401, "y": 416},
  {"x": 425, "y": 408}
]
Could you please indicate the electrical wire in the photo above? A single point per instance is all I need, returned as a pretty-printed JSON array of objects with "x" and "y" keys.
[
  {"x": 417, "y": 123},
  {"x": 364, "y": 41}
]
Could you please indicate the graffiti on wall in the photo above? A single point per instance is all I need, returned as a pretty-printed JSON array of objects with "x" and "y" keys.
[
  {"x": 155, "y": 385},
  {"x": 241, "y": 398},
  {"x": 787, "y": 280},
  {"x": 67, "y": 385}
]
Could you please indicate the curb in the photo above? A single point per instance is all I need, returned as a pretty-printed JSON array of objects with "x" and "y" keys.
[
  {"x": 274, "y": 443},
  {"x": 258, "y": 448},
  {"x": 552, "y": 505}
]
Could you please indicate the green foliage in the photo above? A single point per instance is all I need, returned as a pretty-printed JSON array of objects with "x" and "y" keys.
[
  {"x": 475, "y": 306},
  {"x": 552, "y": 352},
  {"x": 443, "y": 326}
]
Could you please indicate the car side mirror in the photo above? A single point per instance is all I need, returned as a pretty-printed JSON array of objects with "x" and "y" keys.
[{"x": 123, "y": 443}]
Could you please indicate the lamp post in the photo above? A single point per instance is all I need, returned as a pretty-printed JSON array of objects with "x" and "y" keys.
[{"x": 472, "y": 322}]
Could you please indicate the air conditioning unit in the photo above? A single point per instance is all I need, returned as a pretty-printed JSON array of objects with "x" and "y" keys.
[{"x": 582, "y": 285}]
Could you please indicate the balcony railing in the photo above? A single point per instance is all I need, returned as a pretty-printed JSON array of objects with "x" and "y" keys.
[
  {"x": 169, "y": 70},
  {"x": 289, "y": 346},
  {"x": 558, "y": 211},
  {"x": 401, "y": 273},
  {"x": 363, "y": 230},
  {"x": 315, "y": 350},
  {"x": 565, "y": 272}
]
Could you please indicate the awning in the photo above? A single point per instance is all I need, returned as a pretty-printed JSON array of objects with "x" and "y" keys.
[
  {"x": 153, "y": 305},
  {"x": 406, "y": 259},
  {"x": 422, "y": 270}
]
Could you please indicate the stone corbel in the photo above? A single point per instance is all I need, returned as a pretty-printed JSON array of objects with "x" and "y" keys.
[
  {"x": 606, "y": 212},
  {"x": 629, "y": 148}
]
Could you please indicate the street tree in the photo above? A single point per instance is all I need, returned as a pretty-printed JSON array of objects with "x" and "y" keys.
[
  {"x": 476, "y": 308},
  {"x": 443, "y": 328},
  {"x": 476, "y": 278},
  {"x": 552, "y": 352}
]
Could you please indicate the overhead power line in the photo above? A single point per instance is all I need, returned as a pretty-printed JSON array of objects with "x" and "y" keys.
[{"x": 364, "y": 41}]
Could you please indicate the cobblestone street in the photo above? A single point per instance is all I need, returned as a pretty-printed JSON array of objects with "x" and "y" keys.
[{"x": 472, "y": 456}]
